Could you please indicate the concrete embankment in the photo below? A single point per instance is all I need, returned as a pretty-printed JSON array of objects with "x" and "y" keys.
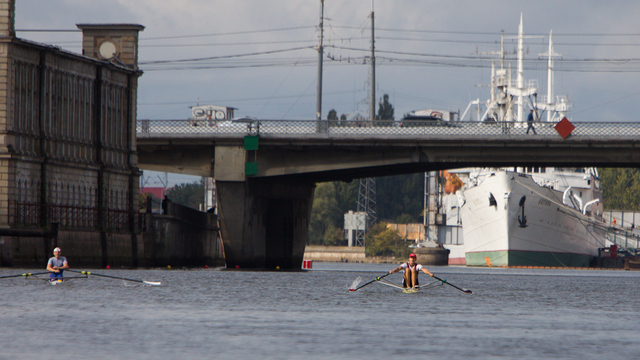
[{"x": 425, "y": 256}]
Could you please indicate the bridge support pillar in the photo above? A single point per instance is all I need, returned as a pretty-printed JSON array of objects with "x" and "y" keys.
[{"x": 264, "y": 223}]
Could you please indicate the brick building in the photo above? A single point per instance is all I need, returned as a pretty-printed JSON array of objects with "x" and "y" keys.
[{"x": 68, "y": 145}]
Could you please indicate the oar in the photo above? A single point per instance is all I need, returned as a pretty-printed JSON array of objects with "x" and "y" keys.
[
  {"x": 363, "y": 285},
  {"x": 450, "y": 284},
  {"x": 25, "y": 275},
  {"x": 154, "y": 283}
]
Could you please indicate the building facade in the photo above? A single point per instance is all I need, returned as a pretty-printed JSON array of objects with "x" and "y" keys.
[{"x": 68, "y": 143}]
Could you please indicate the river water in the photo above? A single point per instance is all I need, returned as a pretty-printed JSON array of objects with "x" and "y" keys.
[{"x": 214, "y": 314}]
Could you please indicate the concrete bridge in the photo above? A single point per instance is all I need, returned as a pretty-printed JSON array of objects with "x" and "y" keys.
[{"x": 266, "y": 171}]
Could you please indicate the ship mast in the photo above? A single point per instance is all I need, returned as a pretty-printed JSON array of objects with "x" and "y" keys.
[
  {"x": 520, "y": 76},
  {"x": 550, "y": 76},
  {"x": 521, "y": 90},
  {"x": 561, "y": 105}
]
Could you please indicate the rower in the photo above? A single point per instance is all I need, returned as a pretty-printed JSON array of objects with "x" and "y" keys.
[
  {"x": 56, "y": 265},
  {"x": 411, "y": 270}
]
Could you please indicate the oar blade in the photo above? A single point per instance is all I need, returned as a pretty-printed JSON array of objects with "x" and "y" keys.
[
  {"x": 444, "y": 281},
  {"x": 152, "y": 283},
  {"x": 370, "y": 282}
]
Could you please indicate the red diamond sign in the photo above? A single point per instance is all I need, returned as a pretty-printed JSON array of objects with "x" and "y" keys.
[{"x": 564, "y": 128}]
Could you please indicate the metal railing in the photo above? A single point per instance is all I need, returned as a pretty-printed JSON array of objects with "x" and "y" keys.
[
  {"x": 71, "y": 217},
  {"x": 324, "y": 128}
]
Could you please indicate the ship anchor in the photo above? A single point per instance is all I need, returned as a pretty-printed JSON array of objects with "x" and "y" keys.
[{"x": 523, "y": 220}]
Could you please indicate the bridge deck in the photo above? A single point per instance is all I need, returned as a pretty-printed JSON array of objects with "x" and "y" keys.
[{"x": 584, "y": 131}]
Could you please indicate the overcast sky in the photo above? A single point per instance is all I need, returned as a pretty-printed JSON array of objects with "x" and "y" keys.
[{"x": 262, "y": 55}]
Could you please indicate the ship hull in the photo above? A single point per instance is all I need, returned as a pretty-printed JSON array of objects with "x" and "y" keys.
[
  {"x": 509, "y": 220},
  {"x": 527, "y": 258},
  {"x": 457, "y": 254}
]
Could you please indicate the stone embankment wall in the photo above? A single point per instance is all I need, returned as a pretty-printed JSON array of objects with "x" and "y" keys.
[
  {"x": 179, "y": 237},
  {"x": 334, "y": 254},
  {"x": 425, "y": 256}
]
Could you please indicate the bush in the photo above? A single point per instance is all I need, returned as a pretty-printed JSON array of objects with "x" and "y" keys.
[
  {"x": 333, "y": 236},
  {"x": 405, "y": 219},
  {"x": 381, "y": 241}
]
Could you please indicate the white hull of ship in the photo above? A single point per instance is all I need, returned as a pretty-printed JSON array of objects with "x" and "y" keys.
[
  {"x": 456, "y": 254},
  {"x": 543, "y": 232}
]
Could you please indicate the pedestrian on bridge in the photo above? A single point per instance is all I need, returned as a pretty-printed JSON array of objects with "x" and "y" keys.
[{"x": 530, "y": 123}]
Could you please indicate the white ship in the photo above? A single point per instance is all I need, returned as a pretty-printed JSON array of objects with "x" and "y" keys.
[
  {"x": 550, "y": 218},
  {"x": 539, "y": 217}
]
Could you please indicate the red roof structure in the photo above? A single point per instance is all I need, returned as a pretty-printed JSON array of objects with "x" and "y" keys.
[{"x": 157, "y": 192}]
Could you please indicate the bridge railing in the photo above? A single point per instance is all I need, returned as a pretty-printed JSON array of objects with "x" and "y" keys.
[{"x": 385, "y": 128}]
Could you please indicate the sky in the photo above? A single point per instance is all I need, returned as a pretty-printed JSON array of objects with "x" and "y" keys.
[{"x": 261, "y": 57}]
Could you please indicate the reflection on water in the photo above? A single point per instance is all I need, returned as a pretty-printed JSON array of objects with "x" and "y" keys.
[{"x": 212, "y": 314}]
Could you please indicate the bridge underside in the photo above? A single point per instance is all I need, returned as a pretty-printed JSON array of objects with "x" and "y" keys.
[{"x": 265, "y": 222}]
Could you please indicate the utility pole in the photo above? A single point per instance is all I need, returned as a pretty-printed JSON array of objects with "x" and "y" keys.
[
  {"x": 320, "y": 54},
  {"x": 372, "y": 97}
]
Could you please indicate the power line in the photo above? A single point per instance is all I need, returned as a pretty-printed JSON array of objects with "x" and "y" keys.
[
  {"x": 48, "y": 30},
  {"x": 230, "y": 44},
  {"x": 352, "y": 28},
  {"x": 227, "y": 34},
  {"x": 295, "y": 96},
  {"x": 493, "y": 33},
  {"x": 224, "y": 57}
]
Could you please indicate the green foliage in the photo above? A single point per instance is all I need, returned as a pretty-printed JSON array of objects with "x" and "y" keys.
[
  {"x": 332, "y": 115},
  {"x": 189, "y": 195},
  {"x": 142, "y": 202},
  {"x": 333, "y": 236},
  {"x": 325, "y": 212},
  {"x": 620, "y": 188},
  {"x": 405, "y": 219},
  {"x": 385, "y": 109},
  {"x": 397, "y": 195},
  {"x": 402, "y": 252},
  {"x": 343, "y": 120},
  {"x": 382, "y": 241}
]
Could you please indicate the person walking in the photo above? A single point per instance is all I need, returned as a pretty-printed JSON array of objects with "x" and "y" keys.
[
  {"x": 411, "y": 270},
  {"x": 530, "y": 123},
  {"x": 57, "y": 264}
]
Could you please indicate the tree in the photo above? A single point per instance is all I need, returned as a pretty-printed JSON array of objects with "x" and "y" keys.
[
  {"x": 189, "y": 195},
  {"x": 382, "y": 241},
  {"x": 333, "y": 236},
  {"x": 332, "y": 115},
  {"x": 331, "y": 201},
  {"x": 142, "y": 202},
  {"x": 343, "y": 120},
  {"x": 620, "y": 188},
  {"x": 405, "y": 219},
  {"x": 385, "y": 109},
  {"x": 324, "y": 212},
  {"x": 397, "y": 195}
]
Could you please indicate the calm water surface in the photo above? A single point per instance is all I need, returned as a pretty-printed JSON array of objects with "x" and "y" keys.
[{"x": 212, "y": 314}]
